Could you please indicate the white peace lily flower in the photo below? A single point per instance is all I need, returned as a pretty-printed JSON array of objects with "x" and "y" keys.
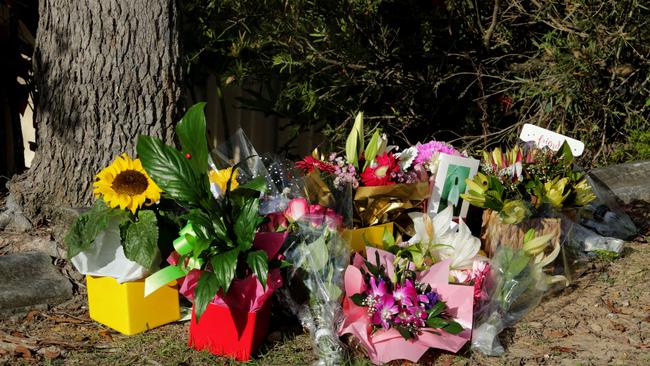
[{"x": 446, "y": 240}]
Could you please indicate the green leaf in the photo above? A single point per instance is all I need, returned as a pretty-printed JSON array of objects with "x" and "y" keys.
[
  {"x": 191, "y": 134},
  {"x": 436, "y": 322},
  {"x": 202, "y": 224},
  {"x": 171, "y": 171},
  {"x": 89, "y": 224},
  {"x": 206, "y": 289},
  {"x": 257, "y": 184},
  {"x": 518, "y": 263},
  {"x": 530, "y": 234},
  {"x": 224, "y": 266},
  {"x": 354, "y": 142},
  {"x": 372, "y": 149},
  {"x": 318, "y": 254},
  {"x": 436, "y": 309},
  {"x": 565, "y": 154},
  {"x": 247, "y": 222},
  {"x": 388, "y": 238},
  {"x": 258, "y": 261},
  {"x": 453, "y": 328},
  {"x": 141, "y": 241},
  {"x": 358, "y": 299}
]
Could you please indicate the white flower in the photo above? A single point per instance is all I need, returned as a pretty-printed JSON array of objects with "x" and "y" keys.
[
  {"x": 444, "y": 239},
  {"x": 406, "y": 157}
]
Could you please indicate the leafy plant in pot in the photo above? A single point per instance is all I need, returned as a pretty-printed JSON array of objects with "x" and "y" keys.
[{"x": 230, "y": 269}]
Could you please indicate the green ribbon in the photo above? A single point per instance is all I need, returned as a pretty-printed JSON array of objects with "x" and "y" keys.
[{"x": 188, "y": 244}]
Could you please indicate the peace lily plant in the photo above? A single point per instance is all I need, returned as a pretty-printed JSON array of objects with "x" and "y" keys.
[{"x": 222, "y": 213}]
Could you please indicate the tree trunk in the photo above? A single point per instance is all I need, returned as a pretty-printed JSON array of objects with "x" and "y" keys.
[{"x": 106, "y": 71}]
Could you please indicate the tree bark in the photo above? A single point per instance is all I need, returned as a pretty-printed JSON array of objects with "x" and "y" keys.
[{"x": 106, "y": 71}]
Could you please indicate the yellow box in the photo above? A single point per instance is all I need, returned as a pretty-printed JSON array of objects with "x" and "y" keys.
[
  {"x": 373, "y": 235},
  {"x": 124, "y": 308}
]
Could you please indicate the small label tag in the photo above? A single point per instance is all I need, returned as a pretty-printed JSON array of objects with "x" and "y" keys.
[{"x": 553, "y": 140}]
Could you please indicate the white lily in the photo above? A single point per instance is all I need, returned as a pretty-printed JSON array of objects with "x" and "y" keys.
[{"x": 444, "y": 239}]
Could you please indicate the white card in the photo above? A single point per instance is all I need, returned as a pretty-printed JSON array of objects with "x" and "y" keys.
[
  {"x": 450, "y": 184},
  {"x": 553, "y": 140}
]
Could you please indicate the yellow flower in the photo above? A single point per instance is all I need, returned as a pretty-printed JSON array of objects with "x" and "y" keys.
[
  {"x": 514, "y": 212},
  {"x": 221, "y": 178},
  {"x": 125, "y": 184},
  {"x": 584, "y": 193},
  {"x": 554, "y": 191}
]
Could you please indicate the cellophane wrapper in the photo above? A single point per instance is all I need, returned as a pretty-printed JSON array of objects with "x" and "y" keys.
[
  {"x": 510, "y": 296},
  {"x": 314, "y": 284}
]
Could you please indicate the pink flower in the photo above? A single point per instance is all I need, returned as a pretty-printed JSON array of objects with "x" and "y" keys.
[
  {"x": 381, "y": 172},
  {"x": 377, "y": 289},
  {"x": 406, "y": 294},
  {"x": 297, "y": 208},
  {"x": 385, "y": 311},
  {"x": 426, "y": 151},
  {"x": 480, "y": 271},
  {"x": 332, "y": 219}
]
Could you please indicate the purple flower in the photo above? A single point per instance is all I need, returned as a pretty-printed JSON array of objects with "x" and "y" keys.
[
  {"x": 426, "y": 151},
  {"x": 429, "y": 299},
  {"x": 386, "y": 310},
  {"x": 406, "y": 294}
]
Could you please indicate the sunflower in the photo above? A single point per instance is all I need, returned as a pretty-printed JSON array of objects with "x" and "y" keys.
[{"x": 125, "y": 184}]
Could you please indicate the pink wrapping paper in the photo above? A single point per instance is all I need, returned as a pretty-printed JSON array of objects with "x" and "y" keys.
[
  {"x": 387, "y": 345},
  {"x": 246, "y": 294}
]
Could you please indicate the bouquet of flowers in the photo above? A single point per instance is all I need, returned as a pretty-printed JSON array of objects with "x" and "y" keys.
[
  {"x": 314, "y": 281},
  {"x": 397, "y": 312},
  {"x": 230, "y": 266},
  {"x": 524, "y": 182},
  {"x": 516, "y": 284},
  {"x": 387, "y": 183}
]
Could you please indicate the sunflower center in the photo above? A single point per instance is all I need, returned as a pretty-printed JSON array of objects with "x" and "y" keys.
[{"x": 130, "y": 182}]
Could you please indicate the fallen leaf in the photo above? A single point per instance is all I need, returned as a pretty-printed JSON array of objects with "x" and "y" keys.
[
  {"x": 556, "y": 333},
  {"x": 17, "y": 334},
  {"x": 31, "y": 315},
  {"x": 611, "y": 307},
  {"x": 26, "y": 354},
  {"x": 106, "y": 334},
  {"x": 562, "y": 349}
]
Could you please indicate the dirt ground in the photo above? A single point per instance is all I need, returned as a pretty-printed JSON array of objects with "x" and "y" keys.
[{"x": 602, "y": 318}]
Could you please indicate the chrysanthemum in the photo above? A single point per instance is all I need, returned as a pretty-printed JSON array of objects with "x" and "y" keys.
[{"x": 125, "y": 184}]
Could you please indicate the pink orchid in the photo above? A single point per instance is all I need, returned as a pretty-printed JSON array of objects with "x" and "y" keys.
[
  {"x": 385, "y": 345},
  {"x": 386, "y": 308},
  {"x": 297, "y": 208},
  {"x": 406, "y": 294}
]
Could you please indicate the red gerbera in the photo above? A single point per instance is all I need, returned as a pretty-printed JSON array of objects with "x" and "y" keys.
[
  {"x": 381, "y": 172},
  {"x": 308, "y": 163}
]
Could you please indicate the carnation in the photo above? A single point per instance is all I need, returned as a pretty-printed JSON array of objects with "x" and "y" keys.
[{"x": 426, "y": 151}]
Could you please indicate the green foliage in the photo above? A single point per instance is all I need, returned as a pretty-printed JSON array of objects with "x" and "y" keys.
[
  {"x": 141, "y": 240},
  {"x": 450, "y": 68},
  {"x": 89, "y": 225},
  {"x": 226, "y": 226}
]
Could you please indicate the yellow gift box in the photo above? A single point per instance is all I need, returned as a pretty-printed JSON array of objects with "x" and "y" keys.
[
  {"x": 124, "y": 308},
  {"x": 373, "y": 235}
]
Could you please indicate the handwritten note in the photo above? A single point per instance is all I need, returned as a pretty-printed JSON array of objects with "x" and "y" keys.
[{"x": 553, "y": 140}]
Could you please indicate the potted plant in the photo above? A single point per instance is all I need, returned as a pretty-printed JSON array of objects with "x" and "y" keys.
[
  {"x": 117, "y": 242},
  {"x": 230, "y": 268}
]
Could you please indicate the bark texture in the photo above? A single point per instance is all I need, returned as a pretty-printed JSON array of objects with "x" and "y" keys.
[{"x": 106, "y": 71}]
